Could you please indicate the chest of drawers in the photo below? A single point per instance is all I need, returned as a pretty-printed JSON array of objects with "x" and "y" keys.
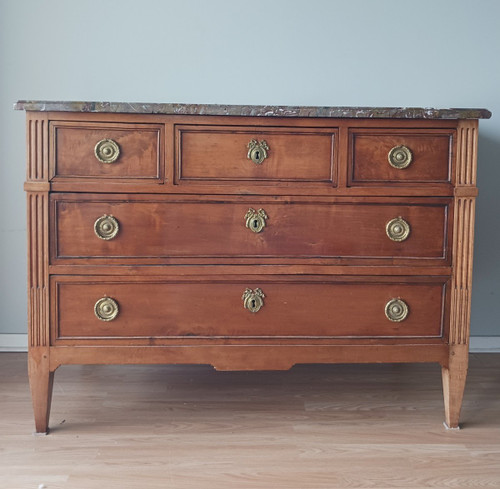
[{"x": 248, "y": 237}]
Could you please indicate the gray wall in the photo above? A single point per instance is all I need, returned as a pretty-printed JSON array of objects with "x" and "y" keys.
[{"x": 443, "y": 53}]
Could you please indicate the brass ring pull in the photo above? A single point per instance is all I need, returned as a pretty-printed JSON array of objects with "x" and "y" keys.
[
  {"x": 397, "y": 229},
  {"x": 253, "y": 299},
  {"x": 107, "y": 151},
  {"x": 257, "y": 151},
  {"x": 400, "y": 157},
  {"x": 106, "y": 309},
  {"x": 106, "y": 227},
  {"x": 396, "y": 310},
  {"x": 255, "y": 220}
]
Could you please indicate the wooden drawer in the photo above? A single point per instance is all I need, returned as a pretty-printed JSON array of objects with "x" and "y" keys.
[
  {"x": 77, "y": 147},
  {"x": 215, "y": 309},
  {"x": 417, "y": 156},
  {"x": 221, "y": 155},
  {"x": 166, "y": 228}
]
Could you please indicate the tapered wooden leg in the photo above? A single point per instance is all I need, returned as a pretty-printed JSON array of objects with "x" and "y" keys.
[
  {"x": 41, "y": 383},
  {"x": 454, "y": 377}
]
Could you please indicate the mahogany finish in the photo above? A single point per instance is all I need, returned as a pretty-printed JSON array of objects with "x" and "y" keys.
[
  {"x": 73, "y": 151},
  {"x": 431, "y": 156},
  {"x": 217, "y": 154},
  {"x": 184, "y": 256},
  {"x": 294, "y": 228},
  {"x": 214, "y": 310}
]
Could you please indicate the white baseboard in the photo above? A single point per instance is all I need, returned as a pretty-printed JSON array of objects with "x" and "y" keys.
[
  {"x": 13, "y": 342},
  {"x": 478, "y": 344}
]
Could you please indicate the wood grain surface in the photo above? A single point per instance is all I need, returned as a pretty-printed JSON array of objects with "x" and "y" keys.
[
  {"x": 431, "y": 156},
  {"x": 73, "y": 151},
  {"x": 206, "y": 309},
  {"x": 183, "y": 427},
  {"x": 220, "y": 154},
  {"x": 166, "y": 228}
]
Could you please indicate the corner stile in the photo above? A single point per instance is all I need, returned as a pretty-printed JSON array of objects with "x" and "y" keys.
[{"x": 37, "y": 192}]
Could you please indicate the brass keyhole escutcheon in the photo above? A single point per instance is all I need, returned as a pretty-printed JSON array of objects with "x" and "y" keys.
[
  {"x": 400, "y": 157},
  {"x": 397, "y": 229},
  {"x": 106, "y": 227},
  {"x": 255, "y": 220},
  {"x": 253, "y": 300},
  {"x": 106, "y": 309},
  {"x": 396, "y": 310},
  {"x": 107, "y": 151},
  {"x": 257, "y": 151}
]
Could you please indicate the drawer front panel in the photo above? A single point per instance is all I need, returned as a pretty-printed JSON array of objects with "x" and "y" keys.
[
  {"x": 222, "y": 155},
  {"x": 157, "y": 229},
  {"x": 179, "y": 309},
  {"x": 131, "y": 152},
  {"x": 415, "y": 157}
]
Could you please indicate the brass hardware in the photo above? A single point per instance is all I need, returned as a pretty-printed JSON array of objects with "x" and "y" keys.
[
  {"x": 397, "y": 229},
  {"x": 106, "y": 227},
  {"x": 257, "y": 151},
  {"x": 256, "y": 220},
  {"x": 400, "y": 157},
  {"x": 106, "y": 309},
  {"x": 253, "y": 299},
  {"x": 107, "y": 151},
  {"x": 396, "y": 310}
]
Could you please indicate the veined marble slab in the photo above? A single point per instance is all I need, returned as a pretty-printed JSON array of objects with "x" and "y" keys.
[{"x": 253, "y": 110}]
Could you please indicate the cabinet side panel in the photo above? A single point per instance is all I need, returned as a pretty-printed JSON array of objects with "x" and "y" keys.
[
  {"x": 463, "y": 232},
  {"x": 37, "y": 147},
  {"x": 37, "y": 268},
  {"x": 462, "y": 270},
  {"x": 37, "y": 209},
  {"x": 466, "y": 153}
]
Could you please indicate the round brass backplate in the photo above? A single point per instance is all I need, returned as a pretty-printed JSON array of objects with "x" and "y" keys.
[
  {"x": 400, "y": 157},
  {"x": 397, "y": 229},
  {"x": 396, "y": 310},
  {"x": 106, "y": 227},
  {"x": 106, "y": 309},
  {"x": 107, "y": 151}
]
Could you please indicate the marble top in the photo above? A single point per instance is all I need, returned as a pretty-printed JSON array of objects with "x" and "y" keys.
[{"x": 253, "y": 110}]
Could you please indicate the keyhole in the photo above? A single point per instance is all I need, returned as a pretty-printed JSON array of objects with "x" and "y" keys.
[
  {"x": 253, "y": 304},
  {"x": 255, "y": 223},
  {"x": 257, "y": 155}
]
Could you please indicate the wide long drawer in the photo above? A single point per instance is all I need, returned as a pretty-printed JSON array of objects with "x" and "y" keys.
[
  {"x": 135, "y": 229},
  {"x": 97, "y": 307}
]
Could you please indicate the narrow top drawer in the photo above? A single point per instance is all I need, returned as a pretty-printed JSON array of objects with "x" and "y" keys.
[
  {"x": 400, "y": 156},
  {"x": 227, "y": 154},
  {"x": 117, "y": 151}
]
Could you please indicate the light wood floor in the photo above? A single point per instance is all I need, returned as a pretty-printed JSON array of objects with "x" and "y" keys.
[{"x": 179, "y": 427}]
